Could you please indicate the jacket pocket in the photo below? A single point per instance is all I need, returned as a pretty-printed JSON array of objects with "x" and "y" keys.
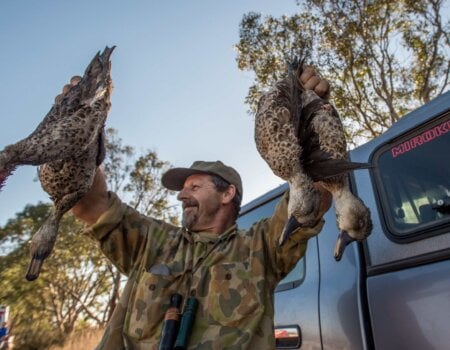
[
  {"x": 150, "y": 302},
  {"x": 233, "y": 295}
]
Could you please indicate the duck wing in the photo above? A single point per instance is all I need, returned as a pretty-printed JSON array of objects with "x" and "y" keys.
[{"x": 317, "y": 162}]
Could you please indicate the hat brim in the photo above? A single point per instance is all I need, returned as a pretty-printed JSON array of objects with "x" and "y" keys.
[{"x": 174, "y": 178}]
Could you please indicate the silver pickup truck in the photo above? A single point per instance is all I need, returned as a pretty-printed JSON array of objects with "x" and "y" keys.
[{"x": 392, "y": 291}]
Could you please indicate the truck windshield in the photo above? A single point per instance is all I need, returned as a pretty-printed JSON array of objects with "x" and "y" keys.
[{"x": 413, "y": 179}]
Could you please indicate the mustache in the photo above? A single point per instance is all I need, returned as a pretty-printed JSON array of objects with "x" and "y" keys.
[{"x": 189, "y": 203}]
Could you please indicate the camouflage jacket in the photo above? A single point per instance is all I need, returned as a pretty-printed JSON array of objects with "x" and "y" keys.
[{"x": 233, "y": 276}]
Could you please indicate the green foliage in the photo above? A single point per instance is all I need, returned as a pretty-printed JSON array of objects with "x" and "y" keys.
[
  {"x": 149, "y": 196},
  {"x": 117, "y": 164},
  {"x": 382, "y": 57},
  {"x": 138, "y": 178},
  {"x": 70, "y": 287}
]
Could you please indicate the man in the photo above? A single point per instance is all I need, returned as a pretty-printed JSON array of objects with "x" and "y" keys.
[{"x": 231, "y": 273}]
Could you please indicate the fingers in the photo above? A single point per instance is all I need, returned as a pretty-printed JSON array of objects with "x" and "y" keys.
[
  {"x": 73, "y": 81},
  {"x": 66, "y": 88},
  {"x": 312, "y": 81},
  {"x": 307, "y": 73},
  {"x": 58, "y": 98},
  {"x": 323, "y": 89}
]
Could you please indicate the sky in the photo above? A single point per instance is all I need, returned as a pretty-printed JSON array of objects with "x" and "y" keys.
[{"x": 177, "y": 88}]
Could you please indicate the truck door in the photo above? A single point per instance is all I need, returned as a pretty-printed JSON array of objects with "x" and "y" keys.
[{"x": 296, "y": 297}]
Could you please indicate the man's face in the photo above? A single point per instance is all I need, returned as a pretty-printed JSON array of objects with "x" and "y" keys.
[{"x": 201, "y": 202}]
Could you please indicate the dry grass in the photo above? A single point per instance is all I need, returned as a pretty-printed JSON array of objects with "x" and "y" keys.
[{"x": 87, "y": 340}]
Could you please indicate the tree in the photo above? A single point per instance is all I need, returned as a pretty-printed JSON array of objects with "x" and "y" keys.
[
  {"x": 138, "y": 177},
  {"x": 383, "y": 57},
  {"x": 149, "y": 196},
  {"x": 69, "y": 288}
]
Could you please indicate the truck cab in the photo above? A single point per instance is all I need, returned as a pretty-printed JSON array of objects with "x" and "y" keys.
[{"x": 393, "y": 290}]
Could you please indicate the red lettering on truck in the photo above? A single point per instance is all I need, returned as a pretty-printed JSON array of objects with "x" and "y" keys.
[{"x": 419, "y": 140}]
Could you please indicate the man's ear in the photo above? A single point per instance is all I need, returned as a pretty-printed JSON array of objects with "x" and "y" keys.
[{"x": 228, "y": 194}]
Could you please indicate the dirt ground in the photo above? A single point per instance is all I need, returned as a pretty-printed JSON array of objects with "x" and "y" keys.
[{"x": 84, "y": 340}]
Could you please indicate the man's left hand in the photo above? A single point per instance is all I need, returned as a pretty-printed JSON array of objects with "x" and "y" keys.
[{"x": 312, "y": 81}]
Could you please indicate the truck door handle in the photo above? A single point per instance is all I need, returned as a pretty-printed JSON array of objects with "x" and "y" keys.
[{"x": 288, "y": 337}]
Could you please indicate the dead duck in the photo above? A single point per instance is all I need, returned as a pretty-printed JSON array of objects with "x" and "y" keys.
[
  {"x": 301, "y": 137},
  {"x": 68, "y": 147}
]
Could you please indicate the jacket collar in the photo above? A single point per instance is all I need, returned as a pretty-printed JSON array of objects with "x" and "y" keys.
[{"x": 209, "y": 237}]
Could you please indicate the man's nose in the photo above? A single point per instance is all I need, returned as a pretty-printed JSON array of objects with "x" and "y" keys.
[{"x": 182, "y": 194}]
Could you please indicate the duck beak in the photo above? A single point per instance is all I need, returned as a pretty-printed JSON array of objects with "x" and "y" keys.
[
  {"x": 343, "y": 240},
  {"x": 34, "y": 269},
  {"x": 291, "y": 225}
]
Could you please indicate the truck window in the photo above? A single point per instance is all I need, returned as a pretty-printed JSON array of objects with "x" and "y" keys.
[
  {"x": 413, "y": 181},
  {"x": 246, "y": 220}
]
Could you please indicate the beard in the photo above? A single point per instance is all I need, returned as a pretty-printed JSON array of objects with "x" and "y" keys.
[
  {"x": 196, "y": 217},
  {"x": 190, "y": 217},
  {"x": 189, "y": 220}
]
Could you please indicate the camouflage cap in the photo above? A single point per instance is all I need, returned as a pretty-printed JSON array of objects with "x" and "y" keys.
[{"x": 174, "y": 178}]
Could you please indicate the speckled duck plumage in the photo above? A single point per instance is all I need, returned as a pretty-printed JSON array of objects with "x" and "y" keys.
[{"x": 68, "y": 147}]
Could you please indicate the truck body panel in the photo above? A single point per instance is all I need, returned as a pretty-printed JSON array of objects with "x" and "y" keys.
[{"x": 410, "y": 308}]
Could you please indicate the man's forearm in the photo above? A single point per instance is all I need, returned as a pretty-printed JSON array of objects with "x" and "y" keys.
[{"x": 95, "y": 202}]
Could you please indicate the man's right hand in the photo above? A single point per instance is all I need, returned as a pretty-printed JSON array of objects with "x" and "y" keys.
[{"x": 95, "y": 202}]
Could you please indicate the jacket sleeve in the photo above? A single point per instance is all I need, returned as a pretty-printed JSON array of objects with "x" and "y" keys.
[
  {"x": 123, "y": 234},
  {"x": 284, "y": 258}
]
